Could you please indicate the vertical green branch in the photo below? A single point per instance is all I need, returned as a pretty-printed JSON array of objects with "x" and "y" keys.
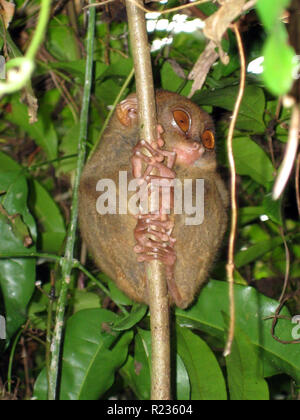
[{"x": 67, "y": 262}]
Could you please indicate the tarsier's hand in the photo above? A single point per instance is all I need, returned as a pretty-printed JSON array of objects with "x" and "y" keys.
[{"x": 153, "y": 231}]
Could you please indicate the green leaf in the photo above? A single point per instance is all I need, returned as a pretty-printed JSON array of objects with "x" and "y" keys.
[
  {"x": 116, "y": 294},
  {"x": 136, "y": 315},
  {"x": 137, "y": 371},
  {"x": 141, "y": 366},
  {"x": 89, "y": 361},
  {"x": 273, "y": 209},
  {"x": 183, "y": 388},
  {"x": 8, "y": 164},
  {"x": 75, "y": 68},
  {"x": 41, "y": 387},
  {"x": 206, "y": 378},
  {"x": 17, "y": 276},
  {"x": 278, "y": 67},
  {"x": 252, "y": 108},
  {"x": 256, "y": 251},
  {"x": 252, "y": 309},
  {"x": 270, "y": 11},
  {"x": 85, "y": 300},
  {"x": 252, "y": 160},
  {"x": 69, "y": 146},
  {"x": 61, "y": 41},
  {"x": 172, "y": 82},
  {"x": 249, "y": 214},
  {"x": 15, "y": 201},
  {"x": 49, "y": 216},
  {"x": 128, "y": 375},
  {"x": 245, "y": 371},
  {"x": 42, "y": 132}
]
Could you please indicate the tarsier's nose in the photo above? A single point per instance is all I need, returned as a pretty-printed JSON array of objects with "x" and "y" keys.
[{"x": 196, "y": 145}]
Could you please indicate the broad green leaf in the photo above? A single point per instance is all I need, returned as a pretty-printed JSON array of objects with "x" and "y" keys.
[
  {"x": 85, "y": 300},
  {"x": 248, "y": 214},
  {"x": 69, "y": 146},
  {"x": 121, "y": 68},
  {"x": 171, "y": 81},
  {"x": 206, "y": 378},
  {"x": 278, "y": 67},
  {"x": 17, "y": 276},
  {"x": 108, "y": 91},
  {"x": 89, "y": 359},
  {"x": 7, "y": 178},
  {"x": 137, "y": 370},
  {"x": 256, "y": 251},
  {"x": 15, "y": 202},
  {"x": 61, "y": 40},
  {"x": 251, "y": 160},
  {"x": 49, "y": 216},
  {"x": 136, "y": 315},
  {"x": 127, "y": 372},
  {"x": 252, "y": 107},
  {"x": 273, "y": 209},
  {"x": 245, "y": 371},
  {"x": 8, "y": 164},
  {"x": 51, "y": 242},
  {"x": 74, "y": 68},
  {"x": 41, "y": 387},
  {"x": 183, "y": 388},
  {"x": 270, "y": 11},
  {"x": 116, "y": 294},
  {"x": 42, "y": 132},
  {"x": 141, "y": 367},
  {"x": 252, "y": 309}
]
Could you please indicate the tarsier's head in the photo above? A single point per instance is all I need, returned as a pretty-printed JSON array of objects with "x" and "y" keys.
[{"x": 187, "y": 129}]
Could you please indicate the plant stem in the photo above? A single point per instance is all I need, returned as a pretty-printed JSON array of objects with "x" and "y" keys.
[
  {"x": 11, "y": 359},
  {"x": 156, "y": 281},
  {"x": 67, "y": 264},
  {"x": 40, "y": 31},
  {"x": 234, "y": 209}
]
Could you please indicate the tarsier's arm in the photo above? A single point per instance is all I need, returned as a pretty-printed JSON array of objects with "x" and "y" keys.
[{"x": 153, "y": 232}]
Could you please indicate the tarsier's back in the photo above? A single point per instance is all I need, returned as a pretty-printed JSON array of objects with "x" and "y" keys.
[{"x": 187, "y": 132}]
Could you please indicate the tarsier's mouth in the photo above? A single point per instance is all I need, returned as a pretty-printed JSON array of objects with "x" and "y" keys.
[{"x": 189, "y": 152}]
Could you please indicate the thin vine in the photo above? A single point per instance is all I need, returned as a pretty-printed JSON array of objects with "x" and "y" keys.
[{"x": 67, "y": 263}]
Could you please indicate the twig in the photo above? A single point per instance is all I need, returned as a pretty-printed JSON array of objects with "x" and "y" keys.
[
  {"x": 146, "y": 10},
  {"x": 156, "y": 282},
  {"x": 75, "y": 264},
  {"x": 67, "y": 264},
  {"x": 234, "y": 216},
  {"x": 249, "y": 5},
  {"x": 283, "y": 297}
]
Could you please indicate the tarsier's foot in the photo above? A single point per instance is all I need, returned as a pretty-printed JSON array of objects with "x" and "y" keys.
[{"x": 153, "y": 231}]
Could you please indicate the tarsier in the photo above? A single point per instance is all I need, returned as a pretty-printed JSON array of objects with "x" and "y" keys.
[{"x": 121, "y": 244}]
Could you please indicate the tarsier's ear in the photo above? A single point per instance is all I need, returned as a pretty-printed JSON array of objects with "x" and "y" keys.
[{"x": 127, "y": 110}]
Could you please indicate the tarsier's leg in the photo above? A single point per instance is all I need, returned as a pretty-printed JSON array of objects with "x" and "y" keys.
[{"x": 153, "y": 231}]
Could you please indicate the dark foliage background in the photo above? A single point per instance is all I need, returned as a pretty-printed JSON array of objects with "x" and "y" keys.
[{"x": 37, "y": 163}]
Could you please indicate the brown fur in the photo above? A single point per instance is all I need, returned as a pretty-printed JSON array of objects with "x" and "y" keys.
[{"x": 110, "y": 238}]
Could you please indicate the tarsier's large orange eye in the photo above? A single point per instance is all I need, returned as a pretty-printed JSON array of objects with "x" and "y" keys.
[
  {"x": 182, "y": 119},
  {"x": 208, "y": 139}
]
